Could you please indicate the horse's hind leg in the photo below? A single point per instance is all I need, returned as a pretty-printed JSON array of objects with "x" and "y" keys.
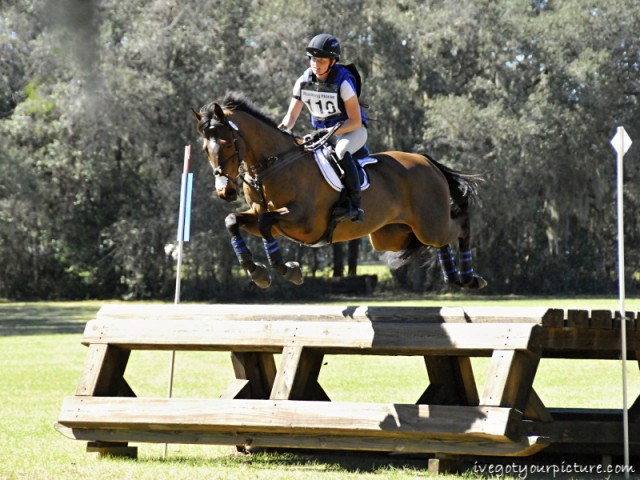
[
  {"x": 467, "y": 277},
  {"x": 291, "y": 271},
  {"x": 257, "y": 271},
  {"x": 448, "y": 265}
]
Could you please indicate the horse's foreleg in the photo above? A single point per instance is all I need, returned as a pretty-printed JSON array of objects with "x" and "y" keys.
[
  {"x": 258, "y": 272},
  {"x": 290, "y": 270}
]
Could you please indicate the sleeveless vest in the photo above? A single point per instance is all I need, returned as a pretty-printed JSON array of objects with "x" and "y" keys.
[{"x": 323, "y": 99}]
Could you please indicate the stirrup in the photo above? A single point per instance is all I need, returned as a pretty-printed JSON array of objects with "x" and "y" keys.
[{"x": 356, "y": 214}]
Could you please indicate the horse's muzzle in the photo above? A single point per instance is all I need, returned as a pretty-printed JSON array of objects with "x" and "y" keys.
[{"x": 225, "y": 189}]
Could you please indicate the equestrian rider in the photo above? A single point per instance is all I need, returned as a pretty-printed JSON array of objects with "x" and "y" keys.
[{"x": 329, "y": 91}]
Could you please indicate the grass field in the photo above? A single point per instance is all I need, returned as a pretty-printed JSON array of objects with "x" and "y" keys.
[{"x": 41, "y": 358}]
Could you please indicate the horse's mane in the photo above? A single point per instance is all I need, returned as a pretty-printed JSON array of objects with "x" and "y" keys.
[{"x": 238, "y": 101}]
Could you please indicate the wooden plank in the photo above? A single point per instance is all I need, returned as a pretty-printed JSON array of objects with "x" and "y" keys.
[
  {"x": 297, "y": 375},
  {"x": 601, "y": 319},
  {"x": 595, "y": 343},
  {"x": 394, "y": 338},
  {"x": 478, "y": 446},
  {"x": 510, "y": 379},
  {"x": 292, "y": 417},
  {"x": 451, "y": 382},
  {"x": 578, "y": 318},
  {"x": 103, "y": 372},
  {"x": 554, "y": 317},
  {"x": 158, "y": 312},
  {"x": 629, "y": 318}
]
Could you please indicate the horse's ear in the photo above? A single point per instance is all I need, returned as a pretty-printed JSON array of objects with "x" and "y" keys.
[
  {"x": 218, "y": 113},
  {"x": 197, "y": 114}
]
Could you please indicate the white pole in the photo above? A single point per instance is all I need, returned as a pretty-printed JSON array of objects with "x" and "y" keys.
[
  {"x": 181, "y": 226},
  {"x": 621, "y": 142}
]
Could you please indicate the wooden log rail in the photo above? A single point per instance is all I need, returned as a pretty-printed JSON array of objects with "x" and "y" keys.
[{"x": 285, "y": 405}]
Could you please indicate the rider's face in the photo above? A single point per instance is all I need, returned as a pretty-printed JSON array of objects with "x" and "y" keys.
[{"x": 320, "y": 66}]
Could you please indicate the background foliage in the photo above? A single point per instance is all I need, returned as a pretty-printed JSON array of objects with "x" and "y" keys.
[{"x": 95, "y": 100}]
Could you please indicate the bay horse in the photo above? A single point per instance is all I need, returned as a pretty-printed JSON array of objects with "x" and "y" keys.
[{"x": 412, "y": 203}]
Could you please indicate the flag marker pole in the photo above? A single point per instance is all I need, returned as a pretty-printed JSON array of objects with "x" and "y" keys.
[
  {"x": 621, "y": 143},
  {"x": 184, "y": 231}
]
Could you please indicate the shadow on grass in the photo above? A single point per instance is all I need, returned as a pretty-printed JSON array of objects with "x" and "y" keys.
[
  {"x": 45, "y": 318},
  {"x": 330, "y": 460},
  {"x": 540, "y": 467}
]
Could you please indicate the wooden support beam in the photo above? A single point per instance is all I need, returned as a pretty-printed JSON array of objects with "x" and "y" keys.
[
  {"x": 510, "y": 379},
  {"x": 297, "y": 377},
  {"x": 634, "y": 409},
  {"x": 451, "y": 382},
  {"x": 112, "y": 449},
  {"x": 259, "y": 369},
  {"x": 535, "y": 409},
  {"x": 103, "y": 373}
]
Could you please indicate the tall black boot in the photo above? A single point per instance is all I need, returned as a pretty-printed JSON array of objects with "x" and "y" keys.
[{"x": 352, "y": 184}]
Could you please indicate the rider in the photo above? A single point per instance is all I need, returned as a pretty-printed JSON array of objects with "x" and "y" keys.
[{"x": 329, "y": 91}]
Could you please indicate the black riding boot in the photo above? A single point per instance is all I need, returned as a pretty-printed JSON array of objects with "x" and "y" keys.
[{"x": 352, "y": 184}]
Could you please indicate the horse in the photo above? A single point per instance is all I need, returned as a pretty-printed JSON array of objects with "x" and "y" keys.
[{"x": 413, "y": 202}]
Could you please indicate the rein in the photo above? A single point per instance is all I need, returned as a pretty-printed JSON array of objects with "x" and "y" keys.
[
  {"x": 262, "y": 169},
  {"x": 267, "y": 168}
]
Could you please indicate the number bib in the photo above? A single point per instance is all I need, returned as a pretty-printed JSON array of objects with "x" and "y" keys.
[{"x": 321, "y": 99}]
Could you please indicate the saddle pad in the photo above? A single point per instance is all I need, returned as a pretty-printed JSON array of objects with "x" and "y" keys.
[{"x": 324, "y": 164}]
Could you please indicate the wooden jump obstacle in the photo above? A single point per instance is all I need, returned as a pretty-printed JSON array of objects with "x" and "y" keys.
[{"x": 285, "y": 406}]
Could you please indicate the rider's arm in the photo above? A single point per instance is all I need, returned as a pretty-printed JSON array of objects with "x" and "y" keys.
[
  {"x": 289, "y": 120},
  {"x": 352, "y": 107}
]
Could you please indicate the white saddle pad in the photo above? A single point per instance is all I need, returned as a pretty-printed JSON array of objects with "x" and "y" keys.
[{"x": 324, "y": 164}]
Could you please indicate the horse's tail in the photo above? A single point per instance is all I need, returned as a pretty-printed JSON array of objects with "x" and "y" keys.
[
  {"x": 414, "y": 252},
  {"x": 463, "y": 186}
]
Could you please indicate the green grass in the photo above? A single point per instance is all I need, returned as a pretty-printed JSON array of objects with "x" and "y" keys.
[{"x": 42, "y": 358}]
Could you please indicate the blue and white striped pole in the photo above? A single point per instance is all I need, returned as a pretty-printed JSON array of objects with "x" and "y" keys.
[
  {"x": 184, "y": 231},
  {"x": 184, "y": 218}
]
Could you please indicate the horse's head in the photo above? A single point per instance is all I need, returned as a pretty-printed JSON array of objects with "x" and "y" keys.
[{"x": 223, "y": 146}]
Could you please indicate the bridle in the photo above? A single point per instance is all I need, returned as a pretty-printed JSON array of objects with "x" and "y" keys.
[{"x": 235, "y": 142}]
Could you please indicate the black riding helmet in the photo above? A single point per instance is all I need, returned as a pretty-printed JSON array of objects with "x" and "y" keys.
[{"x": 324, "y": 46}]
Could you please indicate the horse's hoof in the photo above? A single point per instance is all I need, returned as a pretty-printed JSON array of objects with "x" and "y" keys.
[
  {"x": 453, "y": 281},
  {"x": 261, "y": 276},
  {"x": 294, "y": 273},
  {"x": 475, "y": 283}
]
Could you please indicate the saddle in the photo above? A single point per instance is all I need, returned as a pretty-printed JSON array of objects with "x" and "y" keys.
[
  {"x": 329, "y": 166},
  {"x": 327, "y": 159}
]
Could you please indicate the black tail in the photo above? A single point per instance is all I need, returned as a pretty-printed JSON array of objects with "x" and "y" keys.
[{"x": 462, "y": 185}]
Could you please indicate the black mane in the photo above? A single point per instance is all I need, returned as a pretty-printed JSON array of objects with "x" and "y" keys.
[{"x": 238, "y": 101}]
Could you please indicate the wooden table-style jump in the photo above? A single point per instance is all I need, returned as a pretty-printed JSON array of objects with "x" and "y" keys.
[{"x": 285, "y": 405}]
